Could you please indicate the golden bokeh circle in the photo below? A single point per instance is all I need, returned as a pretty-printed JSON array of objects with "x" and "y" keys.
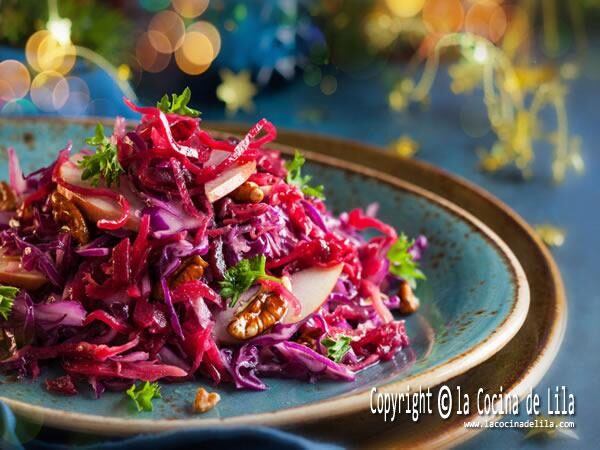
[
  {"x": 486, "y": 19},
  {"x": 148, "y": 58},
  {"x": 443, "y": 16},
  {"x": 210, "y": 31},
  {"x": 14, "y": 80},
  {"x": 45, "y": 53},
  {"x": 32, "y": 46},
  {"x": 405, "y": 8},
  {"x": 190, "y": 8},
  {"x": 498, "y": 24},
  {"x": 196, "y": 54},
  {"x": 166, "y": 31}
]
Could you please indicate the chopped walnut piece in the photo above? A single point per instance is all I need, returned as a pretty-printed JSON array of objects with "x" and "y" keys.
[
  {"x": 205, "y": 401},
  {"x": 248, "y": 192},
  {"x": 65, "y": 213},
  {"x": 409, "y": 303},
  {"x": 8, "y": 201},
  {"x": 191, "y": 269}
]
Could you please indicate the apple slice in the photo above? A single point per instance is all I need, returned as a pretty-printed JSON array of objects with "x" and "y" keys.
[
  {"x": 217, "y": 157},
  {"x": 228, "y": 181},
  {"x": 97, "y": 208},
  {"x": 312, "y": 287},
  {"x": 13, "y": 274}
]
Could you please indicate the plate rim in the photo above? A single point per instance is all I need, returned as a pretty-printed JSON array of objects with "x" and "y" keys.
[
  {"x": 335, "y": 406},
  {"x": 481, "y": 203}
]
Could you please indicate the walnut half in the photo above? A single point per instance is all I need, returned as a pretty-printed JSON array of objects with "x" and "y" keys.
[
  {"x": 263, "y": 311},
  {"x": 205, "y": 401}
]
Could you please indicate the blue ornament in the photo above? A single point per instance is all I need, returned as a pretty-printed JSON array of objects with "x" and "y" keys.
[{"x": 259, "y": 36}]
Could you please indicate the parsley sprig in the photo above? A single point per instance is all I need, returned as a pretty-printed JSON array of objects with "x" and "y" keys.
[
  {"x": 178, "y": 104},
  {"x": 7, "y": 299},
  {"x": 402, "y": 263},
  {"x": 102, "y": 164},
  {"x": 144, "y": 395},
  {"x": 337, "y": 348},
  {"x": 239, "y": 278},
  {"x": 296, "y": 178}
]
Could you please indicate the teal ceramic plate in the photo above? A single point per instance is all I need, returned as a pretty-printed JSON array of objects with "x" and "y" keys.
[{"x": 474, "y": 301}]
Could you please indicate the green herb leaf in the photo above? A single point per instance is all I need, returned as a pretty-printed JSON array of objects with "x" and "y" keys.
[
  {"x": 402, "y": 263},
  {"x": 178, "y": 104},
  {"x": 337, "y": 348},
  {"x": 144, "y": 395},
  {"x": 239, "y": 278},
  {"x": 296, "y": 178},
  {"x": 103, "y": 164},
  {"x": 7, "y": 298}
]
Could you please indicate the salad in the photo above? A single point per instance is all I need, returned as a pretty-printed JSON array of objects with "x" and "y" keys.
[{"x": 162, "y": 254}]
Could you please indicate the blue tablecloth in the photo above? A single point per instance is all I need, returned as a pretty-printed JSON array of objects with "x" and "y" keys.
[
  {"x": 255, "y": 438},
  {"x": 358, "y": 110}
]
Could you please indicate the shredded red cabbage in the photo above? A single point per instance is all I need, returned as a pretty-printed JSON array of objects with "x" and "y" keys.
[{"x": 117, "y": 308}]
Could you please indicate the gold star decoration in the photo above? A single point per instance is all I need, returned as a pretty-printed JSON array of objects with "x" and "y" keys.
[
  {"x": 551, "y": 236},
  {"x": 404, "y": 146},
  {"x": 236, "y": 91}
]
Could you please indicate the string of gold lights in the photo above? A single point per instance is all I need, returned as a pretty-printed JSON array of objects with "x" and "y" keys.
[{"x": 515, "y": 121}]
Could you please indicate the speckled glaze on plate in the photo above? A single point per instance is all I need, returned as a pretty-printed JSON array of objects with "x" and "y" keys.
[
  {"x": 474, "y": 301},
  {"x": 514, "y": 370}
]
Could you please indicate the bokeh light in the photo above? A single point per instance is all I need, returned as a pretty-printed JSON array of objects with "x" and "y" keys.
[
  {"x": 124, "y": 72},
  {"x": 49, "y": 91},
  {"x": 312, "y": 75},
  {"x": 211, "y": 32},
  {"x": 190, "y": 8},
  {"x": 79, "y": 96},
  {"x": 405, "y": 8},
  {"x": 380, "y": 29},
  {"x": 18, "y": 108},
  {"x": 328, "y": 85},
  {"x": 166, "y": 31},
  {"x": 14, "y": 80},
  {"x": 32, "y": 47},
  {"x": 196, "y": 54},
  {"x": 480, "y": 53},
  {"x": 486, "y": 19},
  {"x": 148, "y": 58},
  {"x": 45, "y": 53},
  {"x": 60, "y": 29},
  {"x": 443, "y": 16}
]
